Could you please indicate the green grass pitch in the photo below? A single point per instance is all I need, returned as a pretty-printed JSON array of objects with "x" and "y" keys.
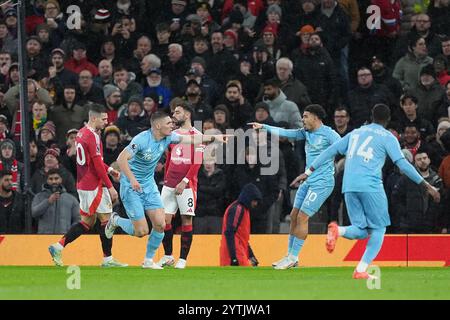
[{"x": 222, "y": 283}]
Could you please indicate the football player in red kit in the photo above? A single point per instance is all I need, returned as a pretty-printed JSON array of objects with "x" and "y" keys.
[
  {"x": 180, "y": 186},
  {"x": 95, "y": 189}
]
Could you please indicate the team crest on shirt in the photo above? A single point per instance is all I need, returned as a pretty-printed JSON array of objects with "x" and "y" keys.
[
  {"x": 147, "y": 156},
  {"x": 134, "y": 146}
]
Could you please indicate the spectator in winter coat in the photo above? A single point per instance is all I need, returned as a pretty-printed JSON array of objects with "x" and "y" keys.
[
  {"x": 281, "y": 109},
  {"x": 408, "y": 103},
  {"x": 437, "y": 150},
  {"x": 127, "y": 86},
  {"x": 8, "y": 162},
  {"x": 68, "y": 115},
  {"x": 210, "y": 199},
  {"x": 154, "y": 85},
  {"x": 416, "y": 210},
  {"x": 112, "y": 146},
  {"x": 315, "y": 69},
  {"x": 407, "y": 69},
  {"x": 430, "y": 95},
  {"x": 79, "y": 60},
  {"x": 251, "y": 172},
  {"x": 294, "y": 90},
  {"x": 133, "y": 120},
  {"x": 51, "y": 161},
  {"x": 235, "y": 249},
  {"x": 240, "y": 110},
  {"x": 12, "y": 210},
  {"x": 365, "y": 96},
  {"x": 54, "y": 208}
]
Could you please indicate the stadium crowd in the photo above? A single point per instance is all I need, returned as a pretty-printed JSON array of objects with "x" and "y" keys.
[{"x": 233, "y": 61}]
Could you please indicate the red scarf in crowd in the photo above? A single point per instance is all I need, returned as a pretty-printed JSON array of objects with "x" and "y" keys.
[{"x": 14, "y": 172}]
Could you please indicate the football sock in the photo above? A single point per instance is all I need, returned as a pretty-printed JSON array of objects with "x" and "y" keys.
[
  {"x": 290, "y": 242},
  {"x": 186, "y": 241},
  {"x": 74, "y": 232},
  {"x": 297, "y": 245},
  {"x": 153, "y": 243},
  {"x": 126, "y": 225},
  {"x": 106, "y": 243},
  {"x": 352, "y": 232},
  {"x": 373, "y": 246},
  {"x": 168, "y": 239}
]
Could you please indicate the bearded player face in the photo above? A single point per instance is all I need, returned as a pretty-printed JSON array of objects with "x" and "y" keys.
[{"x": 179, "y": 116}]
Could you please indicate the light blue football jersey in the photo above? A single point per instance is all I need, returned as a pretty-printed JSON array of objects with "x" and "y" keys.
[
  {"x": 316, "y": 142},
  {"x": 366, "y": 149},
  {"x": 146, "y": 152}
]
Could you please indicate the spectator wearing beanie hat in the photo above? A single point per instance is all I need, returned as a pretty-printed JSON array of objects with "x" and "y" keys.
[
  {"x": 52, "y": 161},
  {"x": 440, "y": 64},
  {"x": 231, "y": 42},
  {"x": 430, "y": 96},
  {"x": 69, "y": 150},
  {"x": 134, "y": 119},
  {"x": 113, "y": 98},
  {"x": 112, "y": 146},
  {"x": 154, "y": 84},
  {"x": 244, "y": 36},
  {"x": 221, "y": 118},
  {"x": 8, "y": 162},
  {"x": 79, "y": 61},
  {"x": 47, "y": 135},
  {"x": 36, "y": 61}
]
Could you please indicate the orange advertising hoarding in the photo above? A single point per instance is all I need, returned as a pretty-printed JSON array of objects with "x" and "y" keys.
[{"x": 397, "y": 250}]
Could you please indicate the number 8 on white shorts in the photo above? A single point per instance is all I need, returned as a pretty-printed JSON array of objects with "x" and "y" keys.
[{"x": 185, "y": 201}]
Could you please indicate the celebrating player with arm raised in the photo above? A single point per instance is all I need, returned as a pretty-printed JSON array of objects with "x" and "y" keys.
[
  {"x": 366, "y": 149},
  {"x": 95, "y": 189},
  {"x": 310, "y": 196}
]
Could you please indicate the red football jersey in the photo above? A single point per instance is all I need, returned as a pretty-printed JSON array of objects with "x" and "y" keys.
[
  {"x": 183, "y": 160},
  {"x": 89, "y": 145}
]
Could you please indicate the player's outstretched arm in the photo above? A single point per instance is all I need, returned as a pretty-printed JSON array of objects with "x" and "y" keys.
[
  {"x": 204, "y": 138},
  {"x": 122, "y": 161},
  {"x": 339, "y": 147},
  {"x": 297, "y": 134}
]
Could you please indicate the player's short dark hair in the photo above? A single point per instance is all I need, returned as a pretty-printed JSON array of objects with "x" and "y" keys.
[
  {"x": 381, "y": 113},
  {"x": 53, "y": 171},
  {"x": 157, "y": 116},
  {"x": 5, "y": 173},
  {"x": 317, "y": 110},
  {"x": 409, "y": 96},
  {"x": 96, "y": 108},
  {"x": 186, "y": 107},
  {"x": 274, "y": 82}
]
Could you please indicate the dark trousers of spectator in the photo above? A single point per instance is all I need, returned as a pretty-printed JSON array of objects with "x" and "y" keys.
[{"x": 207, "y": 225}]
